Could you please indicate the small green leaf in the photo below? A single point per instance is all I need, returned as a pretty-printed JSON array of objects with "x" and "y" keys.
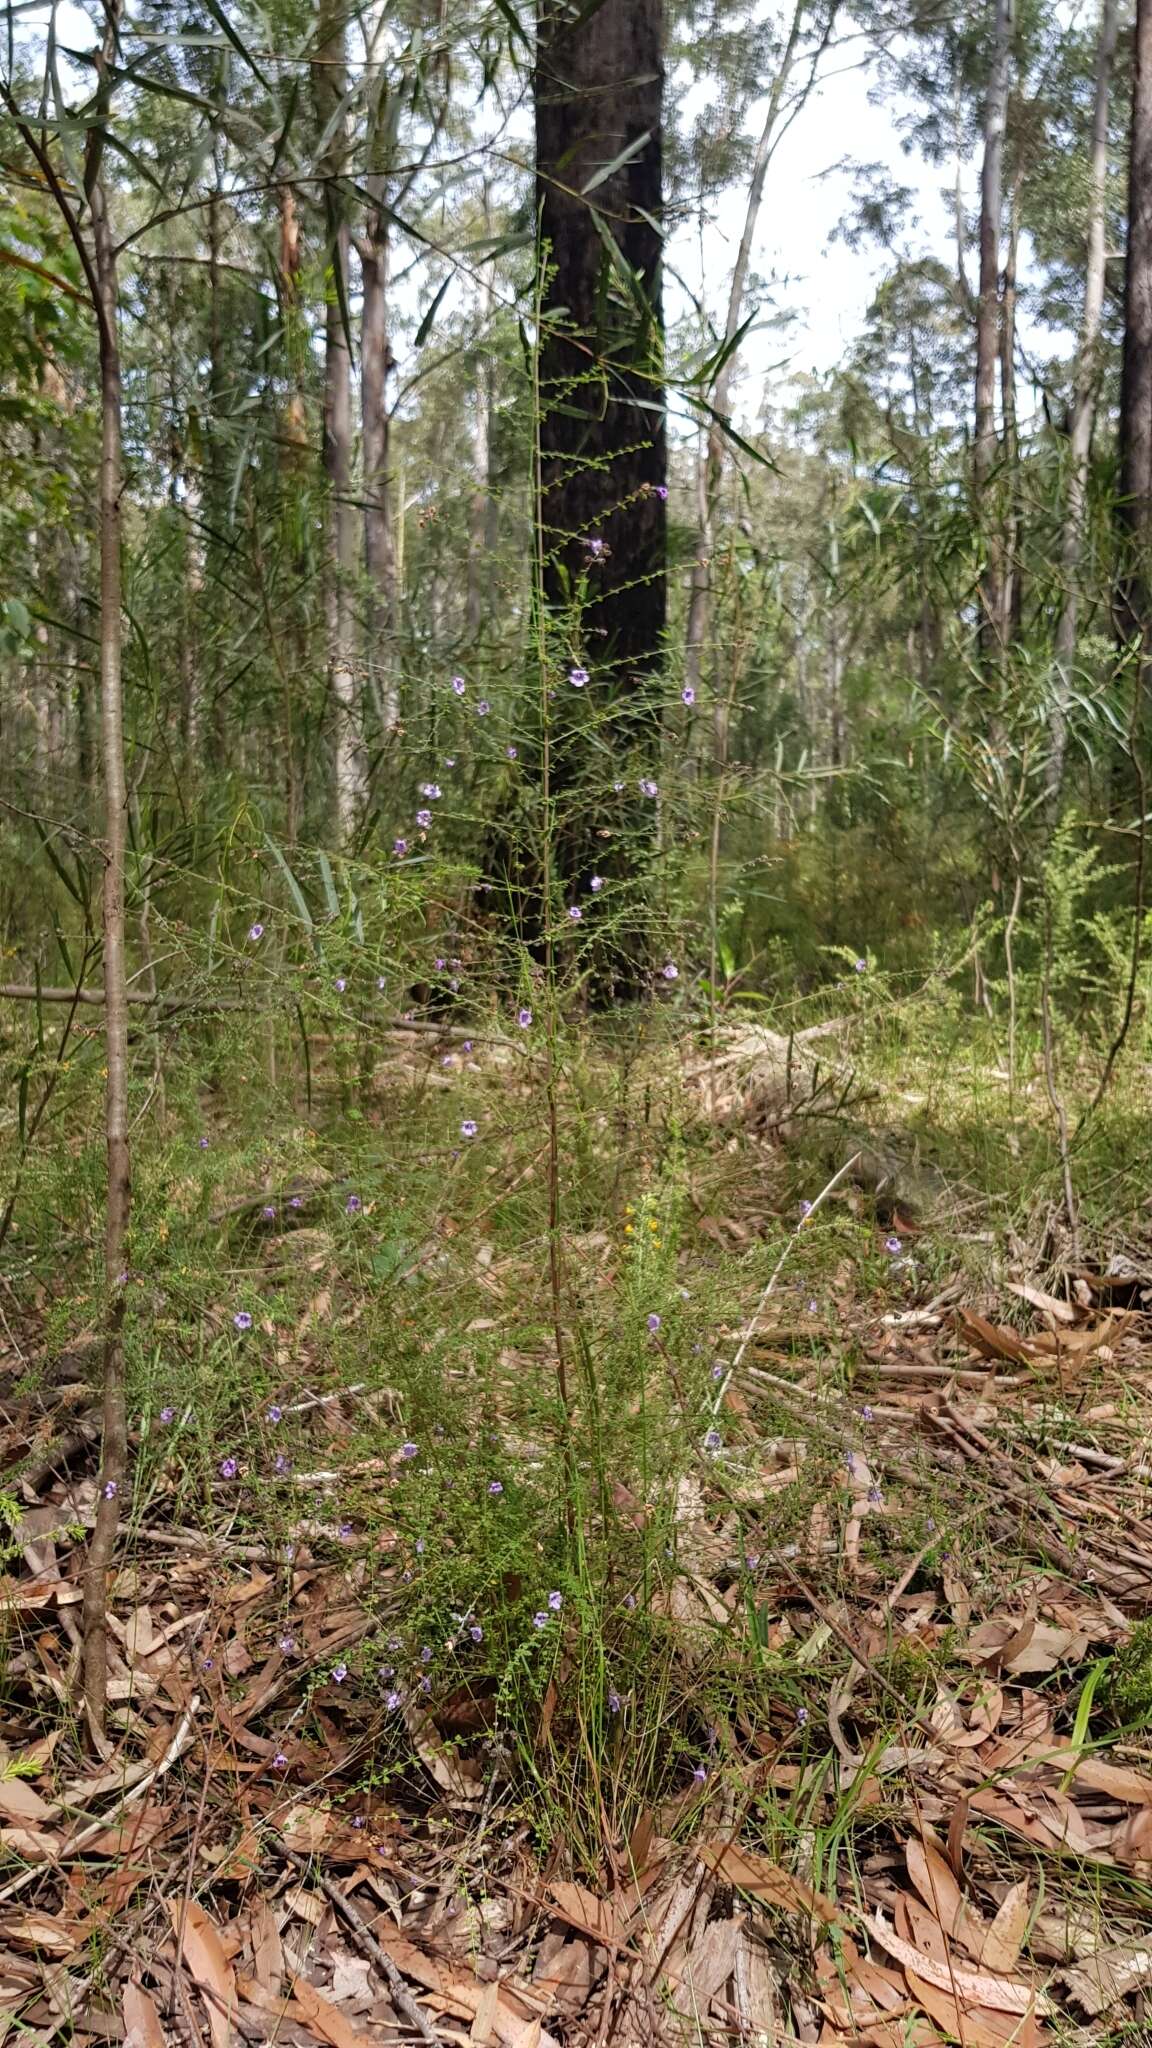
[{"x": 425, "y": 327}]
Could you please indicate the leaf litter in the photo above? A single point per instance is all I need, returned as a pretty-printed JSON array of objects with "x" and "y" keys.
[{"x": 236, "y": 1882}]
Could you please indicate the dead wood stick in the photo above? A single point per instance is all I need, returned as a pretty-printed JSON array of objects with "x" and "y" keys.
[
  {"x": 93, "y": 998},
  {"x": 402, "y": 1998},
  {"x": 97, "y": 1826}
]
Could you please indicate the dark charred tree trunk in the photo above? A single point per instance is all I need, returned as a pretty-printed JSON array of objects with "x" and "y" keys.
[
  {"x": 598, "y": 91},
  {"x": 1134, "y": 511}
]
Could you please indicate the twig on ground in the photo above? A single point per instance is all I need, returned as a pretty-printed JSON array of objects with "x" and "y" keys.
[{"x": 402, "y": 1998}]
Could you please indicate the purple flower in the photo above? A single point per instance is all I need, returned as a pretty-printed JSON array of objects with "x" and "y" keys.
[
  {"x": 344, "y": 1531},
  {"x": 431, "y": 789},
  {"x": 699, "y": 1775},
  {"x": 439, "y": 965},
  {"x": 629, "y": 1600},
  {"x": 467, "y": 1045},
  {"x": 805, "y": 1210},
  {"x": 801, "y": 1716},
  {"x": 495, "y": 1486},
  {"x": 893, "y": 1245},
  {"x": 409, "y": 1450},
  {"x": 111, "y": 1489},
  {"x": 712, "y": 1441},
  {"x": 424, "y": 819},
  {"x": 279, "y": 1761},
  {"x": 167, "y": 1415},
  {"x": 449, "y": 760},
  {"x": 718, "y": 1370},
  {"x": 661, "y": 492},
  {"x": 613, "y": 1700},
  {"x": 648, "y": 787},
  {"x": 340, "y": 984},
  {"x": 524, "y": 1018},
  {"x": 670, "y": 971},
  {"x": 426, "y": 1654},
  {"x": 256, "y": 931},
  {"x": 296, "y": 1202},
  {"x": 275, "y": 1413},
  {"x": 577, "y": 677},
  {"x": 594, "y": 544},
  {"x": 353, "y": 1205},
  {"x": 476, "y": 1633},
  {"x": 358, "y": 1820},
  {"x": 228, "y": 1468},
  {"x": 425, "y": 1684},
  {"x": 813, "y": 1307},
  {"x": 687, "y": 694},
  {"x": 282, "y": 1465},
  {"x": 653, "y": 1323},
  {"x": 575, "y": 913},
  {"x": 512, "y": 753},
  {"x": 865, "y": 1414},
  {"x": 339, "y": 1673},
  {"x": 555, "y": 1602},
  {"x": 875, "y": 1496},
  {"x": 242, "y": 1319},
  {"x": 752, "y": 1560},
  {"x": 287, "y": 1645},
  {"x": 268, "y": 1211},
  {"x": 204, "y": 1144},
  {"x": 539, "y": 1621},
  {"x": 596, "y": 884},
  {"x": 420, "y": 1539},
  {"x": 860, "y": 966},
  {"x": 399, "y": 848},
  {"x": 468, "y": 1128},
  {"x": 483, "y": 708},
  {"x": 459, "y": 685}
]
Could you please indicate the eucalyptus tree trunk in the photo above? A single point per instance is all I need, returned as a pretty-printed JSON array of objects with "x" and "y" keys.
[
  {"x": 986, "y": 453},
  {"x": 114, "y": 1437},
  {"x": 481, "y": 534},
  {"x": 601, "y": 483},
  {"x": 1011, "y": 582},
  {"x": 710, "y": 466},
  {"x": 598, "y": 83},
  {"x": 329, "y": 87},
  {"x": 379, "y": 548},
  {"x": 1087, "y": 385},
  {"x": 1134, "y": 511}
]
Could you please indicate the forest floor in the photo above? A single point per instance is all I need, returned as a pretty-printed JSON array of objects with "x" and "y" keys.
[{"x": 770, "y": 1665}]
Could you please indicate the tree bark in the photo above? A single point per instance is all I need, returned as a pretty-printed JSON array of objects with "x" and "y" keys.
[
  {"x": 598, "y": 86},
  {"x": 379, "y": 551},
  {"x": 710, "y": 467},
  {"x": 1011, "y": 585},
  {"x": 602, "y": 449},
  {"x": 481, "y": 533},
  {"x": 329, "y": 86},
  {"x": 114, "y": 1438},
  {"x": 1134, "y": 511},
  {"x": 986, "y": 452},
  {"x": 1087, "y": 384}
]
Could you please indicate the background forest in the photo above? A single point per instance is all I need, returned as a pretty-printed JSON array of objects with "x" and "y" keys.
[{"x": 574, "y": 1097}]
